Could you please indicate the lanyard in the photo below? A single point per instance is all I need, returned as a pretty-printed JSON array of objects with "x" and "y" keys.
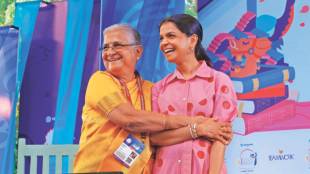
[
  {"x": 140, "y": 90},
  {"x": 128, "y": 96}
]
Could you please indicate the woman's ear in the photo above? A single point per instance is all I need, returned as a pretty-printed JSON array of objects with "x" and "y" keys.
[
  {"x": 193, "y": 40},
  {"x": 139, "y": 51}
]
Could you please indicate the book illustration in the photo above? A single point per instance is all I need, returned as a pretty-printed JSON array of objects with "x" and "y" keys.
[
  {"x": 269, "y": 75},
  {"x": 254, "y": 106},
  {"x": 271, "y": 91}
]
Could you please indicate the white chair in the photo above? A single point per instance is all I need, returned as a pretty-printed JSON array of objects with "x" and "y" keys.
[{"x": 35, "y": 151}]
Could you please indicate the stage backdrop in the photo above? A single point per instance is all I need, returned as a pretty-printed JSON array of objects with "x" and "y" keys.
[{"x": 262, "y": 46}]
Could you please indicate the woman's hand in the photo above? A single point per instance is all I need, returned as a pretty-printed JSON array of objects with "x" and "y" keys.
[
  {"x": 214, "y": 130},
  {"x": 199, "y": 119}
]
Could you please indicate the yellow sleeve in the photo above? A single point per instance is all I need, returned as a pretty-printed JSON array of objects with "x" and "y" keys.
[{"x": 103, "y": 93}]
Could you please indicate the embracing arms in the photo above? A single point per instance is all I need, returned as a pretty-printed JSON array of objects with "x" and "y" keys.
[
  {"x": 142, "y": 121},
  {"x": 113, "y": 105},
  {"x": 210, "y": 129}
]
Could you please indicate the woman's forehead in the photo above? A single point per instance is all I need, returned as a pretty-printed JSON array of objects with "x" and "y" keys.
[
  {"x": 118, "y": 34},
  {"x": 168, "y": 27}
]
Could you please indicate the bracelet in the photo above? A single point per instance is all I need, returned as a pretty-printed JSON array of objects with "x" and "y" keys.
[
  {"x": 190, "y": 131},
  {"x": 193, "y": 130}
]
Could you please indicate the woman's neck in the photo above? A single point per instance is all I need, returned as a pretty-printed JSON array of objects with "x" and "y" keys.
[
  {"x": 187, "y": 68},
  {"x": 126, "y": 77}
]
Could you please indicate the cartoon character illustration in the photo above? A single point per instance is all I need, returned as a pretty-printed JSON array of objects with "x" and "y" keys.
[
  {"x": 247, "y": 53},
  {"x": 240, "y": 52}
]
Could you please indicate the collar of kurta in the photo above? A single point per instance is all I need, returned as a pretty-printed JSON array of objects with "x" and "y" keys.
[{"x": 203, "y": 71}]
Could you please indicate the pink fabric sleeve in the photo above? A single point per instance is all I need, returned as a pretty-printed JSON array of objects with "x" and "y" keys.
[
  {"x": 225, "y": 101},
  {"x": 155, "y": 93}
]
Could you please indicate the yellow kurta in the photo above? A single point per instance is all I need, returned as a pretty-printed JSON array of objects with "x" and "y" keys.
[{"x": 100, "y": 137}]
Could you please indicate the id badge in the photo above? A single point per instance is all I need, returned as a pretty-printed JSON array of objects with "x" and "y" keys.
[{"x": 129, "y": 151}]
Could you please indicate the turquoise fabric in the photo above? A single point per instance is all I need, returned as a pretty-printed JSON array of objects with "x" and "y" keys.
[
  {"x": 25, "y": 17},
  {"x": 78, "y": 22}
]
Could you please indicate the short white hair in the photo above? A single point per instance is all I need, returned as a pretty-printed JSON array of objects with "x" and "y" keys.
[{"x": 133, "y": 31}]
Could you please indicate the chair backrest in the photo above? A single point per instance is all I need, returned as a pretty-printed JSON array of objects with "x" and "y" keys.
[{"x": 45, "y": 151}]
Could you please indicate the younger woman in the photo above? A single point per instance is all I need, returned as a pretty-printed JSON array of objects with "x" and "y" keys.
[{"x": 193, "y": 89}]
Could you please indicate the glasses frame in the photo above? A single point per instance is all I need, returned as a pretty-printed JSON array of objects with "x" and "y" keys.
[{"x": 117, "y": 46}]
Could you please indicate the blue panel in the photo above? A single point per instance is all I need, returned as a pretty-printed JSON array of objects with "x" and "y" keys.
[
  {"x": 8, "y": 66},
  {"x": 78, "y": 22},
  {"x": 25, "y": 19},
  {"x": 153, "y": 66}
]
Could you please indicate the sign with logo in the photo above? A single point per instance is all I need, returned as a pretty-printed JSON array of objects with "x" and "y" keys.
[
  {"x": 248, "y": 160},
  {"x": 269, "y": 152},
  {"x": 281, "y": 156}
]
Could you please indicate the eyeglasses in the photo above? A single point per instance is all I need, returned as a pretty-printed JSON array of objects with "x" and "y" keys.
[{"x": 116, "y": 46}]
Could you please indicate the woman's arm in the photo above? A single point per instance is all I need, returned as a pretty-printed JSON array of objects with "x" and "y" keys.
[
  {"x": 225, "y": 109},
  {"x": 114, "y": 106},
  {"x": 171, "y": 137},
  {"x": 132, "y": 120},
  {"x": 209, "y": 128},
  {"x": 216, "y": 157}
]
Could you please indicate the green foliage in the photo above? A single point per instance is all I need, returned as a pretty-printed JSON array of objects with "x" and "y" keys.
[
  {"x": 9, "y": 14},
  {"x": 4, "y": 5},
  {"x": 191, "y": 7}
]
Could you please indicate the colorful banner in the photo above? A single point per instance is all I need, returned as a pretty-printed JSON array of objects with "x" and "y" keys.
[{"x": 261, "y": 45}]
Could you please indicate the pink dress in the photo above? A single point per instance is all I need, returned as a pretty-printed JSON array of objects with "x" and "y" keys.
[{"x": 208, "y": 92}]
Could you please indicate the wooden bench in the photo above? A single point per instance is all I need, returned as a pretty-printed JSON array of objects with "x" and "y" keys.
[{"x": 45, "y": 151}]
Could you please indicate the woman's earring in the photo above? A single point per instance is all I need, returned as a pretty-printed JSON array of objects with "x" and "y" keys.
[{"x": 191, "y": 49}]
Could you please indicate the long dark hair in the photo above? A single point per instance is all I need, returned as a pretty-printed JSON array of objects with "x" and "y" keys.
[{"x": 189, "y": 26}]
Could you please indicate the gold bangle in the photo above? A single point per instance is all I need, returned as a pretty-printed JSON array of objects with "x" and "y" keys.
[
  {"x": 194, "y": 130},
  {"x": 190, "y": 131}
]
